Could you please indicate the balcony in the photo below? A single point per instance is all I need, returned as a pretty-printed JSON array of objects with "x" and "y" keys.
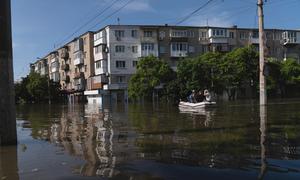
[
  {"x": 290, "y": 41},
  {"x": 78, "y": 75},
  {"x": 64, "y": 54},
  {"x": 146, "y": 53},
  {"x": 53, "y": 60},
  {"x": 254, "y": 40},
  {"x": 66, "y": 78},
  {"x": 101, "y": 40},
  {"x": 115, "y": 86},
  {"x": 54, "y": 67},
  {"x": 96, "y": 82},
  {"x": 179, "y": 53},
  {"x": 100, "y": 55},
  {"x": 65, "y": 67},
  {"x": 78, "y": 58},
  {"x": 102, "y": 69},
  {"x": 218, "y": 40}
]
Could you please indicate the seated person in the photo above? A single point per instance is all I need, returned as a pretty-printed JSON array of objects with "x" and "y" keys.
[
  {"x": 191, "y": 97},
  {"x": 207, "y": 95},
  {"x": 199, "y": 97}
]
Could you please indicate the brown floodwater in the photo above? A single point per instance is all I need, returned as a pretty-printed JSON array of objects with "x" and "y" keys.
[{"x": 236, "y": 140}]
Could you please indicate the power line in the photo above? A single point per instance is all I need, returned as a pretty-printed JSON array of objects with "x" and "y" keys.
[
  {"x": 194, "y": 12},
  {"x": 110, "y": 15},
  {"x": 88, "y": 22}
]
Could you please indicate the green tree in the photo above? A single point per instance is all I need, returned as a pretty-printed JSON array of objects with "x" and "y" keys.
[
  {"x": 151, "y": 73},
  {"x": 239, "y": 69},
  {"x": 290, "y": 72},
  {"x": 36, "y": 88}
]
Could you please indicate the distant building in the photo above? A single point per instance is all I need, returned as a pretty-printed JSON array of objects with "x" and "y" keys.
[{"x": 100, "y": 64}]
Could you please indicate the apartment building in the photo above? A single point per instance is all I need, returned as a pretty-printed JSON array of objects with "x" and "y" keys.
[{"x": 101, "y": 63}]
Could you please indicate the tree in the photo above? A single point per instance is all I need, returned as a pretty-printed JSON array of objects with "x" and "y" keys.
[
  {"x": 239, "y": 70},
  {"x": 290, "y": 72},
  {"x": 35, "y": 88},
  {"x": 151, "y": 73}
]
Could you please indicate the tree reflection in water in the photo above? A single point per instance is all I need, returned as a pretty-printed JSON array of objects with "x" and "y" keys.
[{"x": 119, "y": 142}]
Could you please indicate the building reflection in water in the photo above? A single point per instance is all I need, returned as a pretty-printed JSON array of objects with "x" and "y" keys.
[
  {"x": 111, "y": 141},
  {"x": 89, "y": 132}
]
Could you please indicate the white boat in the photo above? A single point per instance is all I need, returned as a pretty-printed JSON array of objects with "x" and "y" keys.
[{"x": 193, "y": 106}]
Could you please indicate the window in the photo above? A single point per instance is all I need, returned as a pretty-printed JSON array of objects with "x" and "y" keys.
[
  {"x": 162, "y": 49},
  {"x": 121, "y": 79},
  {"x": 231, "y": 35},
  {"x": 203, "y": 34},
  {"x": 162, "y": 35},
  {"x": 85, "y": 68},
  {"x": 120, "y": 64},
  {"x": 98, "y": 64},
  {"x": 134, "y": 33},
  {"x": 147, "y": 46},
  {"x": 98, "y": 49},
  {"x": 148, "y": 33},
  {"x": 97, "y": 36},
  {"x": 243, "y": 35},
  {"x": 255, "y": 34},
  {"x": 120, "y": 49},
  {"x": 134, "y": 49},
  {"x": 204, "y": 48},
  {"x": 119, "y": 33},
  {"x": 179, "y": 46},
  {"x": 134, "y": 63},
  {"x": 220, "y": 32},
  {"x": 179, "y": 33},
  {"x": 191, "y": 49}
]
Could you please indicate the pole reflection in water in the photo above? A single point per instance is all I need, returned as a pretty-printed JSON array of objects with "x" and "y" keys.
[
  {"x": 263, "y": 124},
  {"x": 9, "y": 163}
]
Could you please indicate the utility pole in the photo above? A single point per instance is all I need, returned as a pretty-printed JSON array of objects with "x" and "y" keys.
[
  {"x": 8, "y": 135},
  {"x": 262, "y": 78}
]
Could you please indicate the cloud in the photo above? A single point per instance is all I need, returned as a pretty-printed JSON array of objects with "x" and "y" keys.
[
  {"x": 140, "y": 5},
  {"x": 136, "y": 5}
]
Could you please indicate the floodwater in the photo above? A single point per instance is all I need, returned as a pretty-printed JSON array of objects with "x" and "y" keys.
[{"x": 236, "y": 140}]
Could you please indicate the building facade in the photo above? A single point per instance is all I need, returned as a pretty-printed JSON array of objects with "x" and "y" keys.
[{"x": 99, "y": 64}]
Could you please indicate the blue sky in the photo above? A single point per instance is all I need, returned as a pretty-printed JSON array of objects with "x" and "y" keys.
[{"x": 39, "y": 25}]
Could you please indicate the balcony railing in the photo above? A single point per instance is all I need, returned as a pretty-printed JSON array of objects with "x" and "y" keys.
[
  {"x": 292, "y": 40},
  {"x": 146, "y": 53},
  {"x": 179, "y": 53},
  {"x": 218, "y": 40},
  {"x": 101, "y": 40},
  {"x": 96, "y": 82}
]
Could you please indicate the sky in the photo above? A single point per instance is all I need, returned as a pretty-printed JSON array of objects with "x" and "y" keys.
[{"x": 38, "y": 26}]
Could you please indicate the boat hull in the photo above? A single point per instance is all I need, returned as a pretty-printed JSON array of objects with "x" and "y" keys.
[{"x": 200, "y": 105}]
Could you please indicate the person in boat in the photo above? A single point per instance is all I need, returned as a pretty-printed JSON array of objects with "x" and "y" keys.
[
  {"x": 191, "y": 97},
  {"x": 207, "y": 95},
  {"x": 199, "y": 97}
]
